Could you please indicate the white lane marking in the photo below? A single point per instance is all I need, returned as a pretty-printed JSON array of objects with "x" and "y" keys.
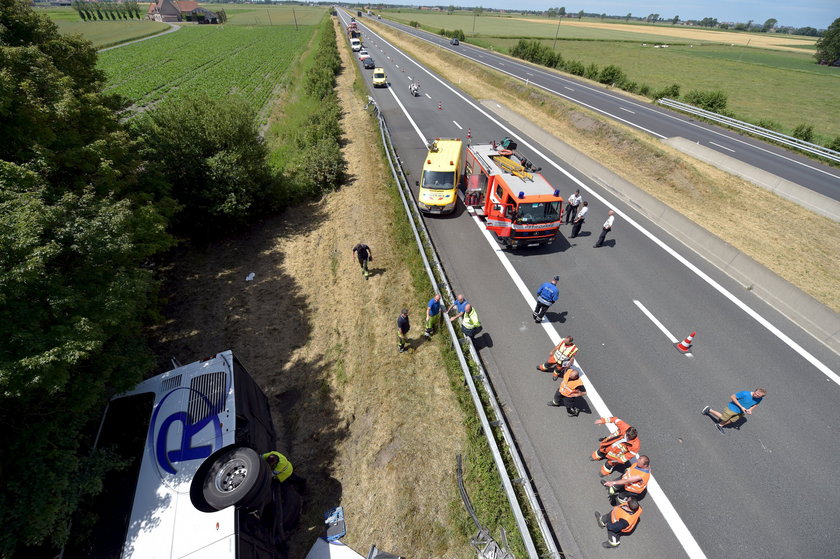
[
  {"x": 567, "y": 87},
  {"x": 396, "y": 65},
  {"x": 722, "y": 147},
  {"x": 787, "y": 340},
  {"x": 409, "y": 78},
  {"x": 458, "y": 125},
  {"x": 529, "y": 73},
  {"x": 654, "y": 490},
  {"x": 628, "y": 110},
  {"x": 429, "y": 96},
  {"x": 501, "y": 63},
  {"x": 655, "y": 320},
  {"x": 672, "y": 517}
]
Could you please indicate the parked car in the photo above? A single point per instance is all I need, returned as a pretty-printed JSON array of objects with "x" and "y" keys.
[
  {"x": 379, "y": 78},
  {"x": 368, "y": 63},
  {"x": 455, "y": 41},
  {"x": 363, "y": 54}
]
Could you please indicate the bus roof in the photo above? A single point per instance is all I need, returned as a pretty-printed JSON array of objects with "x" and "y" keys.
[
  {"x": 446, "y": 158},
  {"x": 193, "y": 416},
  {"x": 537, "y": 189}
]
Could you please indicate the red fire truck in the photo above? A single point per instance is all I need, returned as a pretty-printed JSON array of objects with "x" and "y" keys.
[{"x": 516, "y": 202}]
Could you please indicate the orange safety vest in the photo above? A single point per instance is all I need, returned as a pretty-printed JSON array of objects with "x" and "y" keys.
[
  {"x": 632, "y": 518},
  {"x": 568, "y": 386},
  {"x": 615, "y": 446},
  {"x": 562, "y": 352},
  {"x": 639, "y": 486}
]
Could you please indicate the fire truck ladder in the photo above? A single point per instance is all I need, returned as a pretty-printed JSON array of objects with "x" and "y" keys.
[{"x": 512, "y": 167}]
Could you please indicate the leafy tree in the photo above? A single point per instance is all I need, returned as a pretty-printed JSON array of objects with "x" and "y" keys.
[
  {"x": 211, "y": 153},
  {"x": 675, "y": 20},
  {"x": 828, "y": 46},
  {"x": 769, "y": 24},
  {"x": 78, "y": 217},
  {"x": 450, "y": 10},
  {"x": 806, "y": 31},
  {"x": 551, "y": 13},
  {"x": 580, "y": 14},
  {"x": 628, "y": 16}
]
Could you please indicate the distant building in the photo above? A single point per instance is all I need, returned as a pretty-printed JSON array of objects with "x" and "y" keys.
[{"x": 174, "y": 10}]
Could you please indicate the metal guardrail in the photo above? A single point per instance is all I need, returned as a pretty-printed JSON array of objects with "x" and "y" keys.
[
  {"x": 783, "y": 139},
  {"x": 424, "y": 243}
]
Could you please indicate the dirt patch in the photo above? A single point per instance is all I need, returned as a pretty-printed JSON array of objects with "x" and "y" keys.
[
  {"x": 763, "y": 40},
  {"x": 775, "y": 232},
  {"x": 370, "y": 429}
]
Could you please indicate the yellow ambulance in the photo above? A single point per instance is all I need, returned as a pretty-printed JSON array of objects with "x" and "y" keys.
[{"x": 441, "y": 177}]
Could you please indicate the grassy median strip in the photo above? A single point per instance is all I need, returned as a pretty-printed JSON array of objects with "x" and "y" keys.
[{"x": 794, "y": 243}]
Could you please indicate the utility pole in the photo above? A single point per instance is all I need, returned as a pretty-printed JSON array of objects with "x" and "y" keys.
[
  {"x": 473, "y": 32},
  {"x": 556, "y": 34},
  {"x": 294, "y": 16},
  {"x": 269, "y": 16}
]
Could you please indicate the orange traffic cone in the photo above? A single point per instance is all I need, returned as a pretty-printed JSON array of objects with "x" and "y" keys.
[{"x": 685, "y": 345}]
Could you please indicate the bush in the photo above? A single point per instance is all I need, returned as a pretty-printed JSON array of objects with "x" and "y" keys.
[
  {"x": 671, "y": 92},
  {"x": 612, "y": 75},
  {"x": 714, "y": 101},
  {"x": 768, "y": 124},
  {"x": 630, "y": 87},
  {"x": 804, "y": 132},
  {"x": 591, "y": 72},
  {"x": 212, "y": 154},
  {"x": 644, "y": 89},
  {"x": 414, "y": 24},
  {"x": 834, "y": 144},
  {"x": 575, "y": 67}
]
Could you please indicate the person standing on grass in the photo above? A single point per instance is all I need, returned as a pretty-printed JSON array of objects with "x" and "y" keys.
[
  {"x": 434, "y": 314},
  {"x": 470, "y": 325},
  {"x": 459, "y": 304},
  {"x": 572, "y": 206},
  {"x": 740, "y": 403},
  {"x": 365, "y": 255},
  {"x": 403, "y": 326},
  {"x": 606, "y": 229},
  {"x": 580, "y": 219}
]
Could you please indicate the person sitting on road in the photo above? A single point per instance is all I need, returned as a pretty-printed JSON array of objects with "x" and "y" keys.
[{"x": 620, "y": 521}]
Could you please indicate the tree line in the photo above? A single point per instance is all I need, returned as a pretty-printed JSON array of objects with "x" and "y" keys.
[
  {"x": 90, "y": 203},
  {"x": 99, "y": 11}
]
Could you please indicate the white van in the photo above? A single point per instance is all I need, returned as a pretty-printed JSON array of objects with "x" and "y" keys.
[
  {"x": 355, "y": 44},
  {"x": 195, "y": 484}
]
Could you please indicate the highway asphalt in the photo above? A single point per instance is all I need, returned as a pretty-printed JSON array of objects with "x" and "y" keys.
[
  {"x": 765, "y": 489},
  {"x": 653, "y": 119}
]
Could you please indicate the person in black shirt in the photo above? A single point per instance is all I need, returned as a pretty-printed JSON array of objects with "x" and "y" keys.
[
  {"x": 365, "y": 255},
  {"x": 403, "y": 327}
]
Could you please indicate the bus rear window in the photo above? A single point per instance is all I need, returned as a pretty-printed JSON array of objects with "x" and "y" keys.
[{"x": 106, "y": 516}]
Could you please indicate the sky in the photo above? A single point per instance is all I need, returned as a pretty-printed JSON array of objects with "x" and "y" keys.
[{"x": 807, "y": 13}]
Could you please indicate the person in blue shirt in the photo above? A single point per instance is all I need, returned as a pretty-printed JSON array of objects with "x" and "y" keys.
[
  {"x": 459, "y": 304},
  {"x": 547, "y": 294},
  {"x": 740, "y": 403},
  {"x": 434, "y": 312}
]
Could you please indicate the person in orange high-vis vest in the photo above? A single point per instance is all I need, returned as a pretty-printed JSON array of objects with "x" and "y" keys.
[
  {"x": 560, "y": 358},
  {"x": 620, "y": 521},
  {"x": 571, "y": 387},
  {"x": 616, "y": 448},
  {"x": 632, "y": 484}
]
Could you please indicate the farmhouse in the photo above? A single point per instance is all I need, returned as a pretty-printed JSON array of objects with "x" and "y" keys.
[{"x": 173, "y": 10}]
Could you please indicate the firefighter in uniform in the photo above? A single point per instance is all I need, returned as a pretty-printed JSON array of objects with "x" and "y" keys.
[
  {"x": 632, "y": 484},
  {"x": 570, "y": 388},
  {"x": 620, "y": 521},
  {"x": 561, "y": 357},
  {"x": 616, "y": 448}
]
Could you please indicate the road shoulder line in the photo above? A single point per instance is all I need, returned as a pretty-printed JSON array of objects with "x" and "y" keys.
[{"x": 808, "y": 313}]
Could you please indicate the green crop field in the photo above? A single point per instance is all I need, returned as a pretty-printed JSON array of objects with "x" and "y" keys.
[
  {"x": 215, "y": 59},
  {"x": 785, "y": 87},
  {"x": 256, "y": 14}
]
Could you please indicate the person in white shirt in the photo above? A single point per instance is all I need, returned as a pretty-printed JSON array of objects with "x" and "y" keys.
[
  {"x": 580, "y": 219},
  {"x": 572, "y": 206},
  {"x": 607, "y": 228}
]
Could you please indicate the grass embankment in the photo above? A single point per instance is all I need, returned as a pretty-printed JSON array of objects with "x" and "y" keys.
[
  {"x": 759, "y": 80},
  {"x": 792, "y": 242}
]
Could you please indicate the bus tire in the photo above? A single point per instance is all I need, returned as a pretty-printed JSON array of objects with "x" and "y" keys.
[{"x": 237, "y": 477}]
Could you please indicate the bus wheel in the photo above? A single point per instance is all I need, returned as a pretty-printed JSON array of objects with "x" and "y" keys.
[{"x": 237, "y": 477}]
